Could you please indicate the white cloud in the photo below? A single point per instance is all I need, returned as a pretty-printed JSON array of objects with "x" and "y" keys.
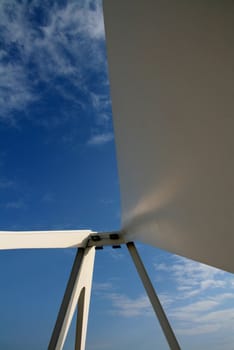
[
  {"x": 102, "y": 286},
  {"x": 121, "y": 304},
  {"x": 101, "y": 103},
  {"x": 100, "y": 139},
  {"x": 208, "y": 313},
  {"x": 130, "y": 307},
  {"x": 193, "y": 278},
  {"x": 200, "y": 318},
  {"x": 15, "y": 90},
  {"x": 193, "y": 309},
  {"x": 197, "y": 330},
  {"x": 64, "y": 43},
  {"x": 201, "y": 298},
  {"x": 216, "y": 316}
]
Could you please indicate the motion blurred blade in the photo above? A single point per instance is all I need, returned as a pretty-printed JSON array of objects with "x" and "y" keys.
[
  {"x": 43, "y": 239},
  {"x": 171, "y": 69}
]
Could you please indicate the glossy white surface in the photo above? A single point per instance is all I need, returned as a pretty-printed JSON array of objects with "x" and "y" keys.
[
  {"x": 171, "y": 69},
  {"x": 43, "y": 239}
]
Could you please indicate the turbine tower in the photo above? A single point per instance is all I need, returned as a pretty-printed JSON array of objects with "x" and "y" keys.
[{"x": 171, "y": 66}]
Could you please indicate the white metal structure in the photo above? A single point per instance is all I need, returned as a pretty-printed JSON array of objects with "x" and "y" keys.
[
  {"x": 171, "y": 71},
  {"x": 78, "y": 290}
]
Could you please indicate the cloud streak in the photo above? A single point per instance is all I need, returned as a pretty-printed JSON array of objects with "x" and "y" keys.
[
  {"x": 201, "y": 299},
  {"x": 6, "y": 184},
  {"x": 130, "y": 307},
  {"x": 100, "y": 139},
  {"x": 192, "y": 278},
  {"x": 51, "y": 48},
  {"x": 18, "y": 204},
  {"x": 208, "y": 312}
]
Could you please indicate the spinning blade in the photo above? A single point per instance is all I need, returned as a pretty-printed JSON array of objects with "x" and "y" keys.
[{"x": 171, "y": 71}]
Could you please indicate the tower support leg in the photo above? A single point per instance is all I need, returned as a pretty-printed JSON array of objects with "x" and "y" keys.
[
  {"x": 165, "y": 325},
  {"x": 78, "y": 291}
]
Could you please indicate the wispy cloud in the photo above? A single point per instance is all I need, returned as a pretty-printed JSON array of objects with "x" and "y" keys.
[
  {"x": 102, "y": 286},
  {"x": 48, "y": 198},
  {"x": 18, "y": 204},
  {"x": 54, "y": 50},
  {"x": 192, "y": 278},
  {"x": 130, "y": 307},
  {"x": 6, "y": 184},
  {"x": 100, "y": 139},
  {"x": 207, "y": 312},
  {"x": 203, "y": 317},
  {"x": 15, "y": 90},
  {"x": 201, "y": 297},
  {"x": 102, "y": 104},
  {"x": 123, "y": 305}
]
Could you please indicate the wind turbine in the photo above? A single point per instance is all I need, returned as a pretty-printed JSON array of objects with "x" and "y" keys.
[{"x": 171, "y": 72}]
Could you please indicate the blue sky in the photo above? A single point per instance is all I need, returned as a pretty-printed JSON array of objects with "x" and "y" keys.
[{"x": 58, "y": 171}]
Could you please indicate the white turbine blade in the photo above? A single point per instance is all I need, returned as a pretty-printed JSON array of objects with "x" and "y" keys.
[
  {"x": 171, "y": 69},
  {"x": 43, "y": 239}
]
